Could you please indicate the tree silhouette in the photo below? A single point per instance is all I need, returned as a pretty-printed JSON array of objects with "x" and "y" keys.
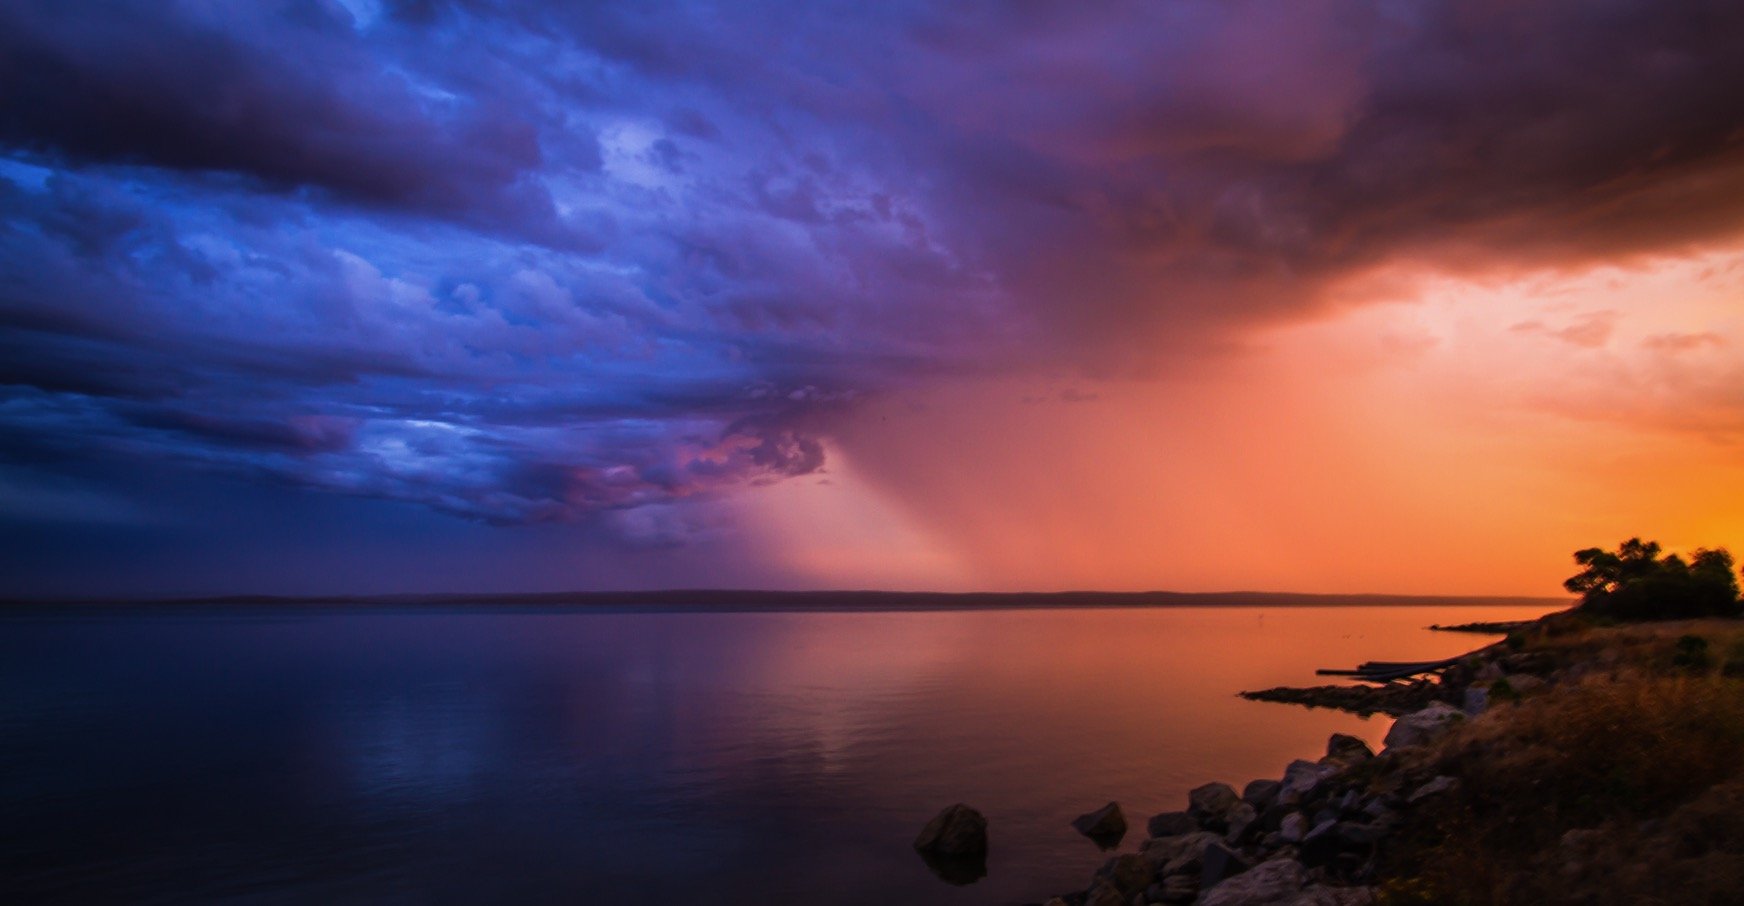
[{"x": 1635, "y": 583}]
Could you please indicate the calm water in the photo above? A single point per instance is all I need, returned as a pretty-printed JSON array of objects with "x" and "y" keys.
[{"x": 446, "y": 756}]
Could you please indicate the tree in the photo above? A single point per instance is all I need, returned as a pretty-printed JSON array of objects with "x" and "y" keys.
[{"x": 1635, "y": 583}]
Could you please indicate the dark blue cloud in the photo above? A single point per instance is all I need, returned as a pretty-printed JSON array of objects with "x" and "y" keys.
[{"x": 530, "y": 263}]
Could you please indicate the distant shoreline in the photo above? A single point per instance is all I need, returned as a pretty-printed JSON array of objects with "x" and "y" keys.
[{"x": 741, "y": 601}]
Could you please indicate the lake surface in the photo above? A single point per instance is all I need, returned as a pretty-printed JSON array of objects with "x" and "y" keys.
[{"x": 447, "y": 755}]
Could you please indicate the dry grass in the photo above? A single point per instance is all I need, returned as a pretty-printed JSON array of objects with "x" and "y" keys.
[{"x": 1642, "y": 756}]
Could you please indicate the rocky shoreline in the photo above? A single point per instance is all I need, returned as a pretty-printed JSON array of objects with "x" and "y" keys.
[
  {"x": 1580, "y": 760},
  {"x": 1314, "y": 836},
  {"x": 1308, "y": 838}
]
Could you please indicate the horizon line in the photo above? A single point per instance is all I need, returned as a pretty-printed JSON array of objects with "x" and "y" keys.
[{"x": 786, "y": 599}]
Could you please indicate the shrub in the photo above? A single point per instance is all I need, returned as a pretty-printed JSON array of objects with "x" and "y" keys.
[
  {"x": 1635, "y": 583},
  {"x": 1692, "y": 652}
]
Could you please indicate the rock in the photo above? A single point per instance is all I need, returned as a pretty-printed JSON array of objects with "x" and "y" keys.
[
  {"x": 1523, "y": 683},
  {"x": 1106, "y": 825},
  {"x": 1359, "y": 836},
  {"x": 1294, "y": 828},
  {"x": 1161, "y": 852},
  {"x": 1477, "y": 700},
  {"x": 1169, "y": 824},
  {"x": 1190, "y": 858},
  {"x": 1378, "y": 809},
  {"x": 1177, "y": 889},
  {"x": 1242, "y": 819},
  {"x": 1435, "y": 787},
  {"x": 1272, "y": 883},
  {"x": 1420, "y": 727},
  {"x": 957, "y": 831},
  {"x": 1302, "y": 778},
  {"x": 1261, "y": 794},
  {"x": 1347, "y": 750},
  {"x": 1219, "y": 862},
  {"x": 1129, "y": 873},
  {"x": 1322, "y": 895},
  {"x": 1209, "y": 803},
  {"x": 1103, "y": 893},
  {"x": 1391, "y": 698},
  {"x": 1321, "y": 843}
]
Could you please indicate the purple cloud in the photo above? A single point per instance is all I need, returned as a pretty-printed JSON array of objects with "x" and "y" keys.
[{"x": 543, "y": 262}]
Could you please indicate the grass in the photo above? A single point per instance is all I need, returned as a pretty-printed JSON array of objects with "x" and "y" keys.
[{"x": 1638, "y": 751}]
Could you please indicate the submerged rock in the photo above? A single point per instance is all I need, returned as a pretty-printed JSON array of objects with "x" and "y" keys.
[
  {"x": 958, "y": 831},
  {"x": 1392, "y": 698},
  {"x": 1106, "y": 825}
]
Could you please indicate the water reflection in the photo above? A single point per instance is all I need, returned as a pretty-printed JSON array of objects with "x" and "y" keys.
[
  {"x": 956, "y": 870},
  {"x": 452, "y": 757}
]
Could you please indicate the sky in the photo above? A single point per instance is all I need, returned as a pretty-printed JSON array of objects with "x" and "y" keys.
[{"x": 330, "y": 296}]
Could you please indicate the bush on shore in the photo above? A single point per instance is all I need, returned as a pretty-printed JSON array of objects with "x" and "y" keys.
[{"x": 1635, "y": 583}]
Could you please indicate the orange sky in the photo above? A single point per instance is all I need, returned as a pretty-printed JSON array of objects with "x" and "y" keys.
[{"x": 1458, "y": 435}]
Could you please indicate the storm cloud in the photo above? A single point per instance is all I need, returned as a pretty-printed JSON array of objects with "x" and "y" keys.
[{"x": 528, "y": 262}]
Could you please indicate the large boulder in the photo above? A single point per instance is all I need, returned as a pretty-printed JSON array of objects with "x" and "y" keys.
[
  {"x": 1169, "y": 824},
  {"x": 1302, "y": 779},
  {"x": 1261, "y": 793},
  {"x": 1219, "y": 862},
  {"x": 957, "y": 831},
  {"x": 1242, "y": 820},
  {"x": 1181, "y": 851},
  {"x": 1104, "y": 893},
  {"x": 1128, "y": 872},
  {"x": 1420, "y": 727},
  {"x": 1106, "y": 825},
  {"x": 1273, "y": 883},
  {"x": 1209, "y": 804},
  {"x": 1344, "y": 749}
]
